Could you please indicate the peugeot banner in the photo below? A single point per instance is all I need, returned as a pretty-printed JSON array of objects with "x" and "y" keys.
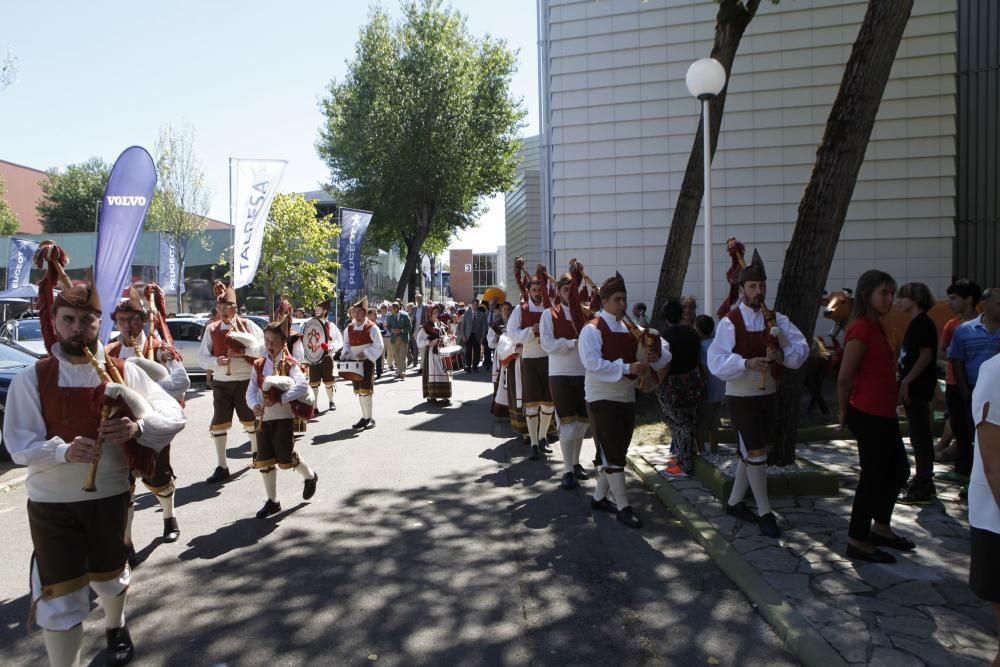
[
  {"x": 19, "y": 264},
  {"x": 256, "y": 184},
  {"x": 170, "y": 267},
  {"x": 353, "y": 225},
  {"x": 119, "y": 225}
]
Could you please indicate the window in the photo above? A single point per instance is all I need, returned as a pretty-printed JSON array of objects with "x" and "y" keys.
[{"x": 484, "y": 272}]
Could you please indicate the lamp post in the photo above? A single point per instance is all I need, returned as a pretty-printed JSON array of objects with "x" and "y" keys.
[{"x": 705, "y": 79}]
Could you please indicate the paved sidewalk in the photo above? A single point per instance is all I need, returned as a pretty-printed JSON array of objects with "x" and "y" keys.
[{"x": 918, "y": 611}]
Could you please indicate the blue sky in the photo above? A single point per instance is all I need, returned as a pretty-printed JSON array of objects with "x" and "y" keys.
[{"x": 96, "y": 77}]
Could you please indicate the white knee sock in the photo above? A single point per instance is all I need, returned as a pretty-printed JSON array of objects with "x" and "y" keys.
[
  {"x": 114, "y": 609},
  {"x": 544, "y": 422},
  {"x": 219, "y": 439},
  {"x": 130, "y": 515},
  {"x": 366, "y": 406},
  {"x": 578, "y": 433},
  {"x": 616, "y": 481},
  {"x": 331, "y": 391},
  {"x": 251, "y": 431},
  {"x": 601, "y": 488},
  {"x": 64, "y": 647},
  {"x": 315, "y": 391},
  {"x": 740, "y": 483},
  {"x": 566, "y": 442},
  {"x": 757, "y": 474},
  {"x": 532, "y": 421},
  {"x": 270, "y": 484},
  {"x": 167, "y": 503},
  {"x": 304, "y": 470}
]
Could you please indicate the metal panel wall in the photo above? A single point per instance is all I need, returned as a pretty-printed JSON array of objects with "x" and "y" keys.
[{"x": 977, "y": 220}]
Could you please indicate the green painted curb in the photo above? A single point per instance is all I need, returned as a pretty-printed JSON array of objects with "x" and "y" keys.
[
  {"x": 817, "y": 481},
  {"x": 792, "y": 627}
]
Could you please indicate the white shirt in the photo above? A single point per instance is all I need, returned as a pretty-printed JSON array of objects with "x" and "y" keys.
[
  {"x": 239, "y": 368},
  {"x": 283, "y": 410},
  {"x": 728, "y": 366},
  {"x": 606, "y": 380},
  {"x": 50, "y": 477},
  {"x": 564, "y": 357},
  {"x": 371, "y": 351},
  {"x": 177, "y": 381},
  {"x": 525, "y": 336},
  {"x": 983, "y": 510}
]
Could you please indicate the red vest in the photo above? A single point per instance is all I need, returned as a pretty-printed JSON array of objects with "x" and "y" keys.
[
  {"x": 222, "y": 345},
  {"x": 615, "y": 344},
  {"x": 299, "y": 409},
  {"x": 362, "y": 337},
  {"x": 563, "y": 327},
  {"x": 529, "y": 318},
  {"x": 751, "y": 344}
]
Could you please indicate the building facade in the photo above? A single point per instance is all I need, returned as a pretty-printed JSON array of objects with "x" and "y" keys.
[
  {"x": 523, "y": 210},
  {"x": 618, "y": 125}
]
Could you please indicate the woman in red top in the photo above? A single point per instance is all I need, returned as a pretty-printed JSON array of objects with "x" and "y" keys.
[{"x": 868, "y": 394}]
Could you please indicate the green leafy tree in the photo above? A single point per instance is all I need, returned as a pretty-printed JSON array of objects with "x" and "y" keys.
[
  {"x": 422, "y": 128},
  {"x": 297, "y": 254},
  {"x": 9, "y": 223},
  {"x": 70, "y": 198},
  {"x": 436, "y": 244},
  {"x": 181, "y": 200}
]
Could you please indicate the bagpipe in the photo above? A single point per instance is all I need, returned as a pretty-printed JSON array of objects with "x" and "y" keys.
[
  {"x": 238, "y": 338},
  {"x": 273, "y": 386}
]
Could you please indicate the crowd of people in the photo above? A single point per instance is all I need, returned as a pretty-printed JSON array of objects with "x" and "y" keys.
[{"x": 567, "y": 362}]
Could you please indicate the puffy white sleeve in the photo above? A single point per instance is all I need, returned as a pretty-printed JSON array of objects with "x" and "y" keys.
[
  {"x": 177, "y": 381},
  {"x": 794, "y": 346},
  {"x": 300, "y": 387},
  {"x": 255, "y": 331},
  {"x": 375, "y": 350},
  {"x": 514, "y": 330},
  {"x": 24, "y": 427},
  {"x": 336, "y": 338},
  {"x": 205, "y": 358},
  {"x": 723, "y": 363},
  {"x": 254, "y": 394},
  {"x": 548, "y": 340}
]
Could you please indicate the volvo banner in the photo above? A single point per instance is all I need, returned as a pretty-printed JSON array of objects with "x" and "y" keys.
[
  {"x": 170, "y": 267},
  {"x": 119, "y": 225},
  {"x": 353, "y": 225},
  {"x": 19, "y": 264},
  {"x": 256, "y": 183}
]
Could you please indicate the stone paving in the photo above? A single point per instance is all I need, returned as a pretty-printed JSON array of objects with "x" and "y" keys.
[{"x": 918, "y": 611}]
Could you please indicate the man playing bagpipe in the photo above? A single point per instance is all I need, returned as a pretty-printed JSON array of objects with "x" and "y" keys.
[
  {"x": 274, "y": 393},
  {"x": 228, "y": 348},
  {"x": 363, "y": 343},
  {"x": 80, "y": 433}
]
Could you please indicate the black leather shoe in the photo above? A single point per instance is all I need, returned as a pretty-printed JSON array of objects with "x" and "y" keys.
[
  {"x": 269, "y": 508},
  {"x": 546, "y": 448},
  {"x": 769, "y": 525},
  {"x": 536, "y": 453},
  {"x": 568, "y": 481},
  {"x": 309, "y": 488},
  {"x": 220, "y": 475},
  {"x": 120, "y": 648},
  {"x": 628, "y": 517},
  {"x": 875, "y": 556},
  {"x": 580, "y": 472},
  {"x": 552, "y": 439},
  {"x": 171, "y": 531},
  {"x": 742, "y": 512},
  {"x": 369, "y": 424},
  {"x": 603, "y": 505},
  {"x": 360, "y": 423}
]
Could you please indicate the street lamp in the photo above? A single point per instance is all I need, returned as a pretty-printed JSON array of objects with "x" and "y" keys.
[{"x": 706, "y": 77}]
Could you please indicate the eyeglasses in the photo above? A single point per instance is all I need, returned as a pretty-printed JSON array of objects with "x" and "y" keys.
[{"x": 130, "y": 318}]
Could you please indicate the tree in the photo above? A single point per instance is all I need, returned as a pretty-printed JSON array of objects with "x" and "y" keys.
[
  {"x": 70, "y": 198},
  {"x": 8, "y": 69},
  {"x": 434, "y": 246},
  {"x": 731, "y": 22},
  {"x": 9, "y": 223},
  {"x": 181, "y": 200},
  {"x": 297, "y": 251},
  {"x": 422, "y": 128},
  {"x": 827, "y": 196}
]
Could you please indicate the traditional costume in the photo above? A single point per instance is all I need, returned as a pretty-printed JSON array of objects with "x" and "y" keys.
[
  {"x": 54, "y": 411},
  {"x": 500, "y": 345},
  {"x": 322, "y": 341},
  {"x": 156, "y": 356},
  {"x": 608, "y": 348},
  {"x": 241, "y": 341},
  {"x": 275, "y": 392},
  {"x": 363, "y": 342},
  {"x": 746, "y": 333},
  {"x": 431, "y": 337}
]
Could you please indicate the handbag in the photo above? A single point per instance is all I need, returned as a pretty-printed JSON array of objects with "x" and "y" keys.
[{"x": 683, "y": 390}]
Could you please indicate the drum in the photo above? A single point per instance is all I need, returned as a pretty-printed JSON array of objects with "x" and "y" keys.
[
  {"x": 351, "y": 370},
  {"x": 451, "y": 357},
  {"x": 313, "y": 340}
]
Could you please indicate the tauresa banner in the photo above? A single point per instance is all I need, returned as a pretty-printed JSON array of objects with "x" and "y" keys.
[
  {"x": 255, "y": 185},
  {"x": 119, "y": 225}
]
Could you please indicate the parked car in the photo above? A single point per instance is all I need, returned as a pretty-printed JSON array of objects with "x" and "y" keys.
[
  {"x": 12, "y": 361},
  {"x": 25, "y": 334}
]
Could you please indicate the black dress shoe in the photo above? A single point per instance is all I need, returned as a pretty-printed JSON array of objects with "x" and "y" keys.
[
  {"x": 603, "y": 505},
  {"x": 309, "y": 488},
  {"x": 568, "y": 481},
  {"x": 270, "y": 507},
  {"x": 120, "y": 648},
  {"x": 895, "y": 542},
  {"x": 220, "y": 475},
  {"x": 369, "y": 424},
  {"x": 171, "y": 531},
  {"x": 360, "y": 423},
  {"x": 552, "y": 439},
  {"x": 769, "y": 525},
  {"x": 580, "y": 472},
  {"x": 742, "y": 512},
  {"x": 875, "y": 556},
  {"x": 546, "y": 448},
  {"x": 628, "y": 517},
  {"x": 535, "y": 453}
]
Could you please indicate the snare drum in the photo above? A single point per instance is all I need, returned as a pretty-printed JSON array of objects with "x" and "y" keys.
[
  {"x": 351, "y": 370},
  {"x": 451, "y": 357}
]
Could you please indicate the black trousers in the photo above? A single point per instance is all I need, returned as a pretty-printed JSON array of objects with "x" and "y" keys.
[
  {"x": 918, "y": 414},
  {"x": 962, "y": 427},
  {"x": 472, "y": 350},
  {"x": 884, "y": 470}
]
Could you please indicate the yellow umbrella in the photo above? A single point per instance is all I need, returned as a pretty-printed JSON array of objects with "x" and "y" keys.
[{"x": 494, "y": 292}]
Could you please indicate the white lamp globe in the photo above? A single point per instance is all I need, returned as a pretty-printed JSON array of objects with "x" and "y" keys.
[{"x": 706, "y": 77}]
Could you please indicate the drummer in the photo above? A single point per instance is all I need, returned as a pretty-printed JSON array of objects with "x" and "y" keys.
[
  {"x": 432, "y": 336},
  {"x": 363, "y": 342},
  {"x": 317, "y": 346}
]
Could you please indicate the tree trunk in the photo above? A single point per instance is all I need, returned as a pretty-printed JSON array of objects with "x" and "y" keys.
[
  {"x": 430, "y": 259},
  {"x": 731, "y": 22},
  {"x": 828, "y": 195},
  {"x": 408, "y": 277}
]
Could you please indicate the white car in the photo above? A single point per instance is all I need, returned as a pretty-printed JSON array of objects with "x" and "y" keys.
[
  {"x": 25, "y": 334},
  {"x": 186, "y": 332}
]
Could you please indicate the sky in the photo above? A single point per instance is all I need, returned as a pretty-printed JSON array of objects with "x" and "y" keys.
[{"x": 96, "y": 77}]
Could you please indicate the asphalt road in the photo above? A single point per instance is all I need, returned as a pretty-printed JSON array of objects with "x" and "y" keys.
[{"x": 431, "y": 540}]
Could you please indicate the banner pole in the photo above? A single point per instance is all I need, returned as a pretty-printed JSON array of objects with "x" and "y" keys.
[{"x": 232, "y": 227}]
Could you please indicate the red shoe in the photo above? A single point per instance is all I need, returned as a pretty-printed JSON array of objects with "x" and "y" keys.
[{"x": 674, "y": 470}]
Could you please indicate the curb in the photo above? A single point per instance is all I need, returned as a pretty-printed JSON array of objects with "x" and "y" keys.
[{"x": 791, "y": 627}]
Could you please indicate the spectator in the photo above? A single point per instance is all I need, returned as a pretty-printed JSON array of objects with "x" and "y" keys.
[
  {"x": 917, "y": 373},
  {"x": 682, "y": 389},
  {"x": 639, "y": 314},
  {"x": 690, "y": 305},
  {"x": 398, "y": 325},
  {"x": 710, "y": 408},
  {"x": 868, "y": 394},
  {"x": 373, "y": 316},
  {"x": 963, "y": 297},
  {"x": 381, "y": 319},
  {"x": 984, "y": 489}
]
